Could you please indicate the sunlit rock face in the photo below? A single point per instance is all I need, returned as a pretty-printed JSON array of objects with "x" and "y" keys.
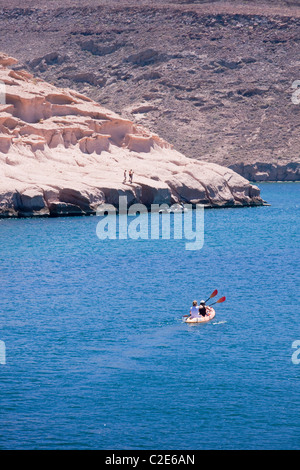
[{"x": 63, "y": 154}]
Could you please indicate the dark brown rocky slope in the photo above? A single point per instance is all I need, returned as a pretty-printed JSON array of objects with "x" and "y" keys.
[{"x": 215, "y": 79}]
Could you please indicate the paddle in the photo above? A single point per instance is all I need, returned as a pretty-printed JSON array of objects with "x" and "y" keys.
[
  {"x": 222, "y": 299},
  {"x": 212, "y": 295}
]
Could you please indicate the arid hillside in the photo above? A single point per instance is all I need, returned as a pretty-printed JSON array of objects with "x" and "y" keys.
[{"x": 215, "y": 79}]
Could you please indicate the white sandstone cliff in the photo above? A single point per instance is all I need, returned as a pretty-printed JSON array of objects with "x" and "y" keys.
[{"x": 64, "y": 154}]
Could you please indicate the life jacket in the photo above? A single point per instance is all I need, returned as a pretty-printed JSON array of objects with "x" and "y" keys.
[{"x": 202, "y": 310}]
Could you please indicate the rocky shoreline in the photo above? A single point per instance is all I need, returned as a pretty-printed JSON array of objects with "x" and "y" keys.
[
  {"x": 260, "y": 171},
  {"x": 25, "y": 205},
  {"x": 63, "y": 154}
]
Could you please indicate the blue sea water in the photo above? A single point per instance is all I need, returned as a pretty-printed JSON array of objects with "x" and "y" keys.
[{"x": 97, "y": 354}]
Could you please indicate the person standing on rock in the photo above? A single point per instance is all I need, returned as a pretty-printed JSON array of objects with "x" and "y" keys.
[
  {"x": 130, "y": 175},
  {"x": 125, "y": 176}
]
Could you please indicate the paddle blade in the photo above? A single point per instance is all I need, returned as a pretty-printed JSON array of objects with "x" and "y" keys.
[
  {"x": 215, "y": 292},
  {"x": 222, "y": 299},
  {"x": 212, "y": 295}
]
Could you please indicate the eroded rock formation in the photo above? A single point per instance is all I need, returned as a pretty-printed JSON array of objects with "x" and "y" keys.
[{"x": 63, "y": 154}]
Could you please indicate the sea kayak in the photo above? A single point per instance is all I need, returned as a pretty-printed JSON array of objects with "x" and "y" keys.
[{"x": 209, "y": 316}]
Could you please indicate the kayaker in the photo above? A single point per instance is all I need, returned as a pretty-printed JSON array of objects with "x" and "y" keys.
[
  {"x": 202, "y": 308},
  {"x": 194, "y": 310}
]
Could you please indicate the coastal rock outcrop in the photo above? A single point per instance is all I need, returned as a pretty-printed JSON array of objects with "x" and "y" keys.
[
  {"x": 261, "y": 171},
  {"x": 63, "y": 154}
]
